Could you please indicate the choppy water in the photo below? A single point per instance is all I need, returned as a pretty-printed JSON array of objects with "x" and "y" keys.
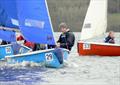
[{"x": 78, "y": 70}]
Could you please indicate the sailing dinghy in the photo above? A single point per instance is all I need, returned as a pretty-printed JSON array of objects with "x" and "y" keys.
[
  {"x": 95, "y": 24},
  {"x": 33, "y": 20}
]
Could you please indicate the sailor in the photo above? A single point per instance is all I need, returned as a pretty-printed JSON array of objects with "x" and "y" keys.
[
  {"x": 110, "y": 38},
  {"x": 67, "y": 38},
  {"x": 29, "y": 44},
  {"x": 4, "y": 42},
  {"x": 19, "y": 38},
  {"x": 26, "y": 43},
  {"x": 51, "y": 46},
  {"x": 38, "y": 46}
]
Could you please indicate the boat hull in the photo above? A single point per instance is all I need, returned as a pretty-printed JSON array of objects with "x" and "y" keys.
[
  {"x": 47, "y": 57},
  {"x": 10, "y": 49},
  {"x": 101, "y": 49},
  {"x": 5, "y": 50}
]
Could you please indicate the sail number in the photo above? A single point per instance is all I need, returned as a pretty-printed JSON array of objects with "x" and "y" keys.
[
  {"x": 86, "y": 46},
  {"x": 8, "y": 50},
  {"x": 49, "y": 56}
]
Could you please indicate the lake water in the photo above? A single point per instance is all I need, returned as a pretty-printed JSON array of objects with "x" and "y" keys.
[{"x": 78, "y": 70}]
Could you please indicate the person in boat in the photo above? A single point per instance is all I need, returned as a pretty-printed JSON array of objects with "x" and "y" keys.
[
  {"x": 39, "y": 47},
  {"x": 4, "y": 42},
  {"x": 67, "y": 38},
  {"x": 19, "y": 38},
  {"x": 51, "y": 46},
  {"x": 26, "y": 43},
  {"x": 29, "y": 44},
  {"x": 33, "y": 46},
  {"x": 110, "y": 38}
]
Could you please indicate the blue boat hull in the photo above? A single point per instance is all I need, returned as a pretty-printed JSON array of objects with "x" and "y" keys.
[
  {"x": 48, "y": 57},
  {"x": 7, "y": 50}
]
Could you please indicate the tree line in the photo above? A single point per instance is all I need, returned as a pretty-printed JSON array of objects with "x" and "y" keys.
[{"x": 73, "y": 13}]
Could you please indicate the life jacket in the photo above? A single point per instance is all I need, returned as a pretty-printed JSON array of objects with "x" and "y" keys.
[
  {"x": 26, "y": 43},
  {"x": 67, "y": 40},
  {"x": 29, "y": 44}
]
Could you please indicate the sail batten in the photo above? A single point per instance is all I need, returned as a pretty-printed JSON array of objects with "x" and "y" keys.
[{"x": 95, "y": 22}]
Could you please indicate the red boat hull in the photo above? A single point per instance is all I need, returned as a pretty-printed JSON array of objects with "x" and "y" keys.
[{"x": 101, "y": 49}]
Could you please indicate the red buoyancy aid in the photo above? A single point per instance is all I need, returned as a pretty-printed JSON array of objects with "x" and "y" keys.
[
  {"x": 29, "y": 44},
  {"x": 26, "y": 43}
]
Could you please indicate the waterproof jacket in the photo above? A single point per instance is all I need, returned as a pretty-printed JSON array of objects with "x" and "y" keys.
[
  {"x": 67, "y": 40},
  {"x": 109, "y": 40}
]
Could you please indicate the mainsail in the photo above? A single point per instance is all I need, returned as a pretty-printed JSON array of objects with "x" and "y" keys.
[
  {"x": 34, "y": 20},
  {"x": 8, "y": 13},
  {"x": 95, "y": 22},
  {"x": 31, "y": 17}
]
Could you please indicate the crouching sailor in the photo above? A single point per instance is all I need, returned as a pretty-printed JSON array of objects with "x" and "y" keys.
[{"x": 110, "y": 38}]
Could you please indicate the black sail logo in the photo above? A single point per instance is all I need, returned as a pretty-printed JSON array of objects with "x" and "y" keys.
[{"x": 87, "y": 25}]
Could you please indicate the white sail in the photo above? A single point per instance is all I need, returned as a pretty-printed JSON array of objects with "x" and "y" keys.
[{"x": 95, "y": 22}]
